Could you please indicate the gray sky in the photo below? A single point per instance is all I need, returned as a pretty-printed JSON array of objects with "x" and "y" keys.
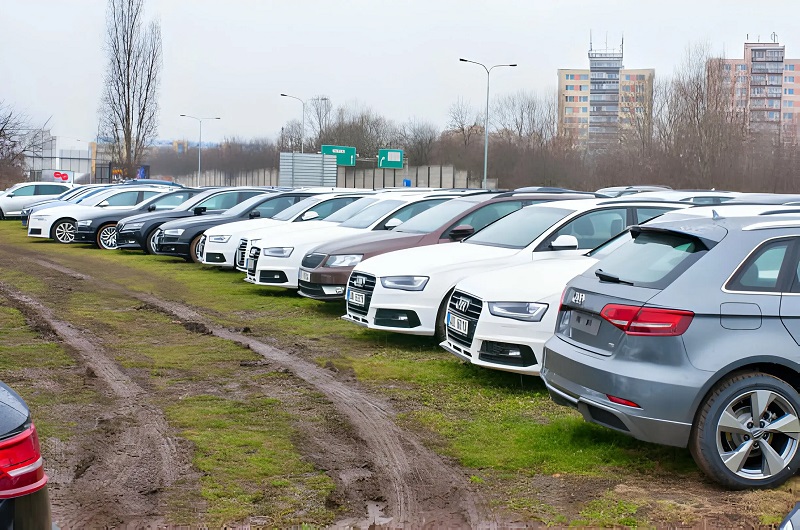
[{"x": 232, "y": 58}]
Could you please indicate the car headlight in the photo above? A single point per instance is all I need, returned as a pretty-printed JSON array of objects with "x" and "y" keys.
[
  {"x": 173, "y": 231},
  {"x": 277, "y": 252},
  {"x": 133, "y": 226},
  {"x": 344, "y": 260},
  {"x": 86, "y": 222},
  {"x": 405, "y": 283},
  {"x": 218, "y": 239},
  {"x": 525, "y": 311}
]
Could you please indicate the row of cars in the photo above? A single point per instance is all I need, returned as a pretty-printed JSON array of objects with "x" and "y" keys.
[{"x": 649, "y": 312}]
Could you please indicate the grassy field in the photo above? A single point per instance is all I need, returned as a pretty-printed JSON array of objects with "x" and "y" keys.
[{"x": 502, "y": 427}]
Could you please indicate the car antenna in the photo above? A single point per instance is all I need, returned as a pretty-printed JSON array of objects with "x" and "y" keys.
[{"x": 715, "y": 216}]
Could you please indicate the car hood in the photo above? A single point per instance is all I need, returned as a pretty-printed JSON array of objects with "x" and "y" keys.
[
  {"x": 239, "y": 228},
  {"x": 13, "y": 411},
  {"x": 304, "y": 237},
  {"x": 371, "y": 243},
  {"x": 428, "y": 260},
  {"x": 161, "y": 214},
  {"x": 75, "y": 211},
  {"x": 284, "y": 227},
  {"x": 529, "y": 282},
  {"x": 198, "y": 221}
]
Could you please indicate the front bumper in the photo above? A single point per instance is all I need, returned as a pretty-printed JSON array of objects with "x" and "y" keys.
[
  {"x": 409, "y": 312},
  {"x": 166, "y": 246},
  {"x": 323, "y": 283},
  {"x": 39, "y": 228},
  {"x": 584, "y": 381},
  {"x": 275, "y": 272},
  {"x": 129, "y": 239},
  {"x": 219, "y": 254},
  {"x": 85, "y": 234}
]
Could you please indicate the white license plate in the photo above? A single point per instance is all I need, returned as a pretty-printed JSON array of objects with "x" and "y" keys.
[
  {"x": 305, "y": 276},
  {"x": 456, "y": 323},
  {"x": 585, "y": 322},
  {"x": 356, "y": 298}
]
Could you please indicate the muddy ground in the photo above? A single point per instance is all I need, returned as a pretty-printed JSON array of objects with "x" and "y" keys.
[{"x": 128, "y": 467}]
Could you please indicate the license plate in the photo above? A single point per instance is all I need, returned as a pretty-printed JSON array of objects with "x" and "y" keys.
[
  {"x": 356, "y": 298},
  {"x": 585, "y": 322},
  {"x": 456, "y": 323},
  {"x": 305, "y": 276}
]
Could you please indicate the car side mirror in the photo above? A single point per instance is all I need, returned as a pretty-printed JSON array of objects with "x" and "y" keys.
[
  {"x": 255, "y": 214},
  {"x": 308, "y": 216},
  {"x": 10, "y": 195},
  {"x": 460, "y": 232},
  {"x": 564, "y": 242},
  {"x": 200, "y": 210},
  {"x": 392, "y": 223},
  {"x": 151, "y": 208}
]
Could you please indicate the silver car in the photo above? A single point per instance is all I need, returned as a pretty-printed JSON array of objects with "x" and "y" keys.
[{"x": 688, "y": 336}]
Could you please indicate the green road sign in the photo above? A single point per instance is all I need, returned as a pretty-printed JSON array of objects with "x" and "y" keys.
[
  {"x": 345, "y": 156},
  {"x": 390, "y": 158}
]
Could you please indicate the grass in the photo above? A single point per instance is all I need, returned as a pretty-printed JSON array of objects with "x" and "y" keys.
[{"x": 609, "y": 511}]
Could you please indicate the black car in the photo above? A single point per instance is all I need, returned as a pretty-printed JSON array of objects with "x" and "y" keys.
[
  {"x": 137, "y": 231},
  {"x": 101, "y": 228},
  {"x": 24, "y": 500},
  {"x": 183, "y": 237}
]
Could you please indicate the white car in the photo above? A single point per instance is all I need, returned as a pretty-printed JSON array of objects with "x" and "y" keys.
[
  {"x": 501, "y": 319},
  {"x": 221, "y": 243},
  {"x": 59, "y": 222},
  {"x": 17, "y": 197},
  {"x": 406, "y": 291},
  {"x": 274, "y": 258}
]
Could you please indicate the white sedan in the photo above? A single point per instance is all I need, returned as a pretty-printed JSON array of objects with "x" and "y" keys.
[
  {"x": 59, "y": 223},
  {"x": 406, "y": 291}
]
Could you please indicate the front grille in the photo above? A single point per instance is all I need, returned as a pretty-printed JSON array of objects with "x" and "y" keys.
[
  {"x": 240, "y": 253},
  {"x": 253, "y": 261},
  {"x": 469, "y": 308},
  {"x": 310, "y": 289},
  {"x": 312, "y": 261},
  {"x": 364, "y": 284}
]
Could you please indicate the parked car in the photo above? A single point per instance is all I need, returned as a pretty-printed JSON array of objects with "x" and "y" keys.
[
  {"x": 138, "y": 231},
  {"x": 278, "y": 264},
  {"x": 512, "y": 311},
  {"x": 185, "y": 237},
  {"x": 324, "y": 271},
  {"x": 688, "y": 336},
  {"x": 59, "y": 222},
  {"x": 100, "y": 227},
  {"x": 406, "y": 291},
  {"x": 24, "y": 499},
  {"x": 70, "y": 196},
  {"x": 18, "y": 196}
]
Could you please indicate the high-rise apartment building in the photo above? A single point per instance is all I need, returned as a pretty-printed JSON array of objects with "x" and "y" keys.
[
  {"x": 765, "y": 87},
  {"x": 595, "y": 104}
]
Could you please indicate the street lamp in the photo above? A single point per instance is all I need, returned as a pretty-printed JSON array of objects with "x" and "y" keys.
[
  {"x": 486, "y": 121},
  {"x": 200, "y": 142},
  {"x": 303, "y": 131}
]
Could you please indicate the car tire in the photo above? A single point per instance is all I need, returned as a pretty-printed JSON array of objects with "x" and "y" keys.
[
  {"x": 193, "y": 245},
  {"x": 63, "y": 231},
  {"x": 149, "y": 241},
  {"x": 740, "y": 451},
  {"x": 106, "y": 237},
  {"x": 440, "y": 333},
  {"x": 1, "y": 215}
]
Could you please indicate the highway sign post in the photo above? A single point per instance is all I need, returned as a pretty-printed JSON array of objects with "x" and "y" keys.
[
  {"x": 390, "y": 158},
  {"x": 345, "y": 156}
]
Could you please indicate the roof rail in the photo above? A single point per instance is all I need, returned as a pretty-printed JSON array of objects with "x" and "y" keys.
[{"x": 788, "y": 223}]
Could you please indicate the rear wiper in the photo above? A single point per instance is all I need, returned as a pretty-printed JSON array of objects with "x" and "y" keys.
[{"x": 605, "y": 277}]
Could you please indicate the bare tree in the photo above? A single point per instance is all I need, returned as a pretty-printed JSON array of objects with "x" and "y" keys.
[
  {"x": 129, "y": 106},
  {"x": 464, "y": 122},
  {"x": 320, "y": 117},
  {"x": 17, "y": 140},
  {"x": 418, "y": 139}
]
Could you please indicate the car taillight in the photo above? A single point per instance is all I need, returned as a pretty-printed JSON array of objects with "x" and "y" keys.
[
  {"x": 652, "y": 321},
  {"x": 21, "y": 466},
  {"x": 563, "y": 295}
]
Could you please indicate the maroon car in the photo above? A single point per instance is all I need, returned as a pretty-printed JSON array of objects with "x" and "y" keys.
[{"x": 324, "y": 271}]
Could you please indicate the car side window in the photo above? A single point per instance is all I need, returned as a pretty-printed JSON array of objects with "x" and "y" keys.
[
  {"x": 275, "y": 205},
  {"x": 407, "y": 212},
  {"x": 24, "y": 191},
  {"x": 490, "y": 213},
  {"x": 126, "y": 198},
  {"x": 221, "y": 201},
  {"x": 149, "y": 194},
  {"x": 170, "y": 201},
  {"x": 594, "y": 228},
  {"x": 761, "y": 271},
  {"x": 325, "y": 208},
  {"x": 50, "y": 189},
  {"x": 645, "y": 214}
]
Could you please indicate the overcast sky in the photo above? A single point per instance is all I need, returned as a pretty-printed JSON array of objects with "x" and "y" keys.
[{"x": 232, "y": 58}]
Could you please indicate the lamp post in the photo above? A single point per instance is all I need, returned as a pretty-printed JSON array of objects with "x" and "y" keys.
[
  {"x": 486, "y": 121},
  {"x": 200, "y": 141},
  {"x": 303, "y": 122}
]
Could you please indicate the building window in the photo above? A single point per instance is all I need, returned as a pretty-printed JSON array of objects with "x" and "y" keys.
[
  {"x": 570, "y": 76},
  {"x": 568, "y": 110},
  {"x": 789, "y": 78},
  {"x": 788, "y": 115},
  {"x": 727, "y": 67},
  {"x": 583, "y": 99},
  {"x": 640, "y": 77},
  {"x": 627, "y": 77},
  {"x": 788, "y": 91},
  {"x": 583, "y": 87},
  {"x": 741, "y": 67},
  {"x": 789, "y": 67},
  {"x": 570, "y": 87},
  {"x": 584, "y": 109},
  {"x": 569, "y": 98},
  {"x": 788, "y": 103},
  {"x": 584, "y": 77},
  {"x": 741, "y": 79}
]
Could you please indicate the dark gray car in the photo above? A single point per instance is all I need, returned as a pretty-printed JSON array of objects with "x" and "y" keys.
[{"x": 688, "y": 336}]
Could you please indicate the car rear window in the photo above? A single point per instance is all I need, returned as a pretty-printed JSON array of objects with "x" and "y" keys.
[{"x": 653, "y": 259}]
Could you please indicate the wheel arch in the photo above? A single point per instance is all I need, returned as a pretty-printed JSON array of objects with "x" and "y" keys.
[{"x": 56, "y": 223}]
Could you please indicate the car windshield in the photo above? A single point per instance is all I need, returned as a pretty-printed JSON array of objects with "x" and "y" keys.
[
  {"x": 610, "y": 246},
  {"x": 167, "y": 200},
  {"x": 372, "y": 213},
  {"x": 297, "y": 208},
  {"x": 519, "y": 229},
  {"x": 429, "y": 220},
  {"x": 343, "y": 214},
  {"x": 246, "y": 206}
]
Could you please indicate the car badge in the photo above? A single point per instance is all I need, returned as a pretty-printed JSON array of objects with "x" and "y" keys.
[
  {"x": 462, "y": 305},
  {"x": 578, "y": 298},
  {"x": 358, "y": 281}
]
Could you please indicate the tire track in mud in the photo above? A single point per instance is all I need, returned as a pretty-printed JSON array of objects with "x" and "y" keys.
[
  {"x": 418, "y": 487},
  {"x": 133, "y": 444}
]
